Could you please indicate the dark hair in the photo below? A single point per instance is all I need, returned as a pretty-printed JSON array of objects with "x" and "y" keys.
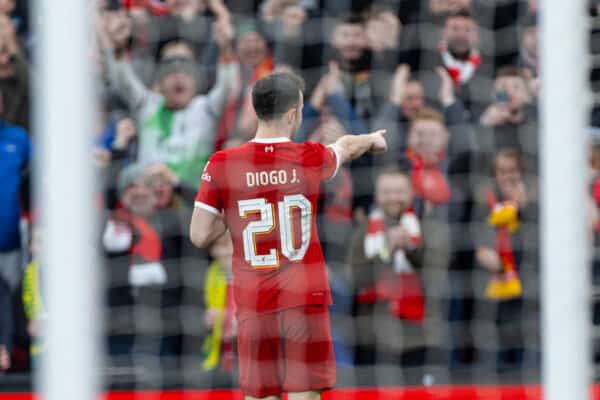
[
  {"x": 509, "y": 71},
  {"x": 275, "y": 94},
  {"x": 345, "y": 19},
  {"x": 163, "y": 45},
  {"x": 462, "y": 13}
]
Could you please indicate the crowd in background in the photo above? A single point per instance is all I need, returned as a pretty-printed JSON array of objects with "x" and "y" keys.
[{"x": 431, "y": 248}]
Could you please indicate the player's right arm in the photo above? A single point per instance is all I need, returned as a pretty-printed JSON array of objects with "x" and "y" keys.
[
  {"x": 207, "y": 223},
  {"x": 350, "y": 147},
  {"x": 206, "y": 227}
]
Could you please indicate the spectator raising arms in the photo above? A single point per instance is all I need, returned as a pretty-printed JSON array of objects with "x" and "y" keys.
[{"x": 177, "y": 127}]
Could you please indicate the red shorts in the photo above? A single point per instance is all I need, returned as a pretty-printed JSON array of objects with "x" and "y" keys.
[{"x": 286, "y": 351}]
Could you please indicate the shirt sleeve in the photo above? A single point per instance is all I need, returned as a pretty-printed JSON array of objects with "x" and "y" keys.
[
  {"x": 328, "y": 160},
  {"x": 209, "y": 196}
]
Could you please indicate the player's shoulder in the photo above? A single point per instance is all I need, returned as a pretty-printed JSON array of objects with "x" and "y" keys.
[
  {"x": 231, "y": 153},
  {"x": 312, "y": 152}
]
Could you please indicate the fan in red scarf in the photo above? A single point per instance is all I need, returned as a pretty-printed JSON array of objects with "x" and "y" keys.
[
  {"x": 427, "y": 145},
  {"x": 458, "y": 47},
  {"x": 129, "y": 230},
  {"x": 393, "y": 231}
]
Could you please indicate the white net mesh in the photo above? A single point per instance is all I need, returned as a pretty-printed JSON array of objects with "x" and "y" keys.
[{"x": 455, "y": 84}]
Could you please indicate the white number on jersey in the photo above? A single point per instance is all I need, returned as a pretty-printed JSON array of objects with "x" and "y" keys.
[{"x": 267, "y": 223}]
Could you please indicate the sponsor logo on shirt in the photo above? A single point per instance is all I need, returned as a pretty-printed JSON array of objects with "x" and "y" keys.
[
  {"x": 269, "y": 149},
  {"x": 206, "y": 176},
  {"x": 10, "y": 148}
]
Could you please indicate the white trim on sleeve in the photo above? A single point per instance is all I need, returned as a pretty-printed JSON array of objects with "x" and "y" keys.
[
  {"x": 204, "y": 206},
  {"x": 338, "y": 160}
]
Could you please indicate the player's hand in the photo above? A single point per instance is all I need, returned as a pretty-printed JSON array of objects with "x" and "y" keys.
[{"x": 378, "y": 144}]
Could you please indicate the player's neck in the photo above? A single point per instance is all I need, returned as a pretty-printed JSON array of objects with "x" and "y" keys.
[{"x": 271, "y": 131}]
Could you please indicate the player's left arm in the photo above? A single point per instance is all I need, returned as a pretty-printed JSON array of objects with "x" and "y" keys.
[{"x": 206, "y": 227}]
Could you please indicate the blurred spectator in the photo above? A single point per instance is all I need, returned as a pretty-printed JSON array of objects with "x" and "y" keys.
[
  {"x": 528, "y": 54},
  {"x": 118, "y": 138},
  {"x": 33, "y": 303},
  {"x": 177, "y": 127},
  {"x": 511, "y": 120},
  {"x": 135, "y": 263},
  {"x": 130, "y": 224},
  {"x": 406, "y": 101},
  {"x": 390, "y": 304},
  {"x": 7, "y": 6},
  {"x": 426, "y": 151},
  {"x": 190, "y": 21},
  {"x": 166, "y": 186},
  {"x": 119, "y": 26},
  {"x": 383, "y": 29},
  {"x": 256, "y": 62},
  {"x": 14, "y": 76},
  {"x": 594, "y": 199},
  {"x": 459, "y": 47},
  {"x": 218, "y": 346},
  {"x": 295, "y": 27},
  {"x": 350, "y": 46},
  {"x": 506, "y": 246},
  {"x": 147, "y": 243},
  {"x": 441, "y": 187},
  {"x": 458, "y": 51},
  {"x": 17, "y": 11},
  {"x": 15, "y": 155},
  {"x": 445, "y": 7}
]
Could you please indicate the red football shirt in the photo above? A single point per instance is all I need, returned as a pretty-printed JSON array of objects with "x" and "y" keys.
[{"x": 267, "y": 191}]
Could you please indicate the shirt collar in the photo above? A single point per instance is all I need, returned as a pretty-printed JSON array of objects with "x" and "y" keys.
[{"x": 270, "y": 140}]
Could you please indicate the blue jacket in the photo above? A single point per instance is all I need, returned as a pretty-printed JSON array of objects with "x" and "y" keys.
[{"x": 15, "y": 153}]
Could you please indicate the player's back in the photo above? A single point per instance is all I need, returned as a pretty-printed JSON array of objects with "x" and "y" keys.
[{"x": 268, "y": 191}]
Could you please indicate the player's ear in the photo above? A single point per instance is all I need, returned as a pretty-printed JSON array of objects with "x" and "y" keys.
[{"x": 290, "y": 116}]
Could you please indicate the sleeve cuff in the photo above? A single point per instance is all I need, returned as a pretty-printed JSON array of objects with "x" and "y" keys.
[
  {"x": 204, "y": 206},
  {"x": 338, "y": 160}
]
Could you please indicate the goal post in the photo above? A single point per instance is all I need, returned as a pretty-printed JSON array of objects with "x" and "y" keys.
[
  {"x": 565, "y": 263},
  {"x": 64, "y": 119}
]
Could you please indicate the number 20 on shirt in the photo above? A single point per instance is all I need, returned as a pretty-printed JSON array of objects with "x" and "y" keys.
[{"x": 268, "y": 222}]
